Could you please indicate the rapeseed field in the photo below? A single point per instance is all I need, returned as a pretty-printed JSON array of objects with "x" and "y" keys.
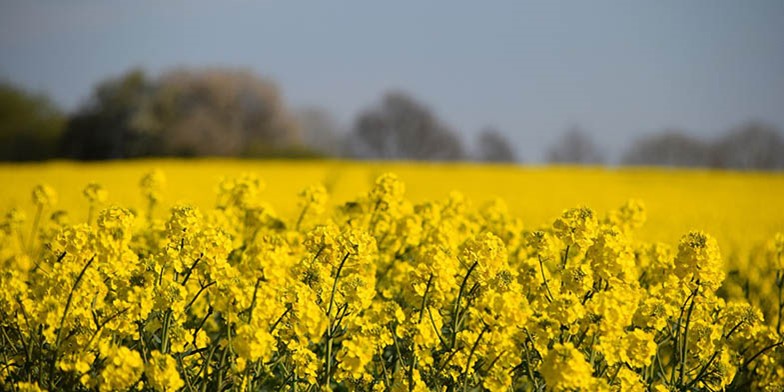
[{"x": 314, "y": 276}]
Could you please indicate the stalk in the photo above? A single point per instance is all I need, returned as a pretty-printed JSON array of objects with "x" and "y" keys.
[
  {"x": 457, "y": 303},
  {"x": 544, "y": 279},
  {"x": 36, "y": 222},
  {"x": 58, "y": 340},
  {"x": 331, "y": 330},
  {"x": 471, "y": 354}
]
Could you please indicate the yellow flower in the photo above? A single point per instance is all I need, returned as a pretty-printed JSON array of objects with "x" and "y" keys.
[
  {"x": 489, "y": 252},
  {"x": 383, "y": 286},
  {"x": 184, "y": 221},
  {"x": 387, "y": 191},
  {"x": 565, "y": 369},
  {"x": 314, "y": 199},
  {"x": 44, "y": 196},
  {"x": 699, "y": 260},
  {"x": 253, "y": 343},
  {"x": 630, "y": 216},
  {"x": 354, "y": 356},
  {"x": 611, "y": 256},
  {"x": 629, "y": 380},
  {"x": 28, "y": 387},
  {"x": 639, "y": 348},
  {"x": 162, "y": 374},
  {"x": 95, "y": 193},
  {"x": 152, "y": 185},
  {"x": 576, "y": 227},
  {"x": 123, "y": 368}
]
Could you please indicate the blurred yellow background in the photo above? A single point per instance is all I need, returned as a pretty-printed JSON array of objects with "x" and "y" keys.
[{"x": 740, "y": 209}]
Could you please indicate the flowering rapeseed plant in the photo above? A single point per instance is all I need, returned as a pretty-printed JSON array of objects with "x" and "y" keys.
[{"x": 378, "y": 293}]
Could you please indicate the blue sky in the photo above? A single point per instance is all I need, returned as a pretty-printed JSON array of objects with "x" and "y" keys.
[{"x": 617, "y": 69}]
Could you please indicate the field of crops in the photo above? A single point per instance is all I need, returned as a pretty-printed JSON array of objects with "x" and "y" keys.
[{"x": 213, "y": 275}]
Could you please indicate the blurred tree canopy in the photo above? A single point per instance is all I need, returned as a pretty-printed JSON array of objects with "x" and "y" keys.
[
  {"x": 403, "y": 128},
  {"x": 30, "y": 125},
  {"x": 108, "y": 125},
  {"x": 493, "y": 146},
  {"x": 575, "y": 147},
  {"x": 232, "y": 112},
  {"x": 321, "y": 132},
  {"x": 208, "y": 112},
  {"x": 750, "y": 146},
  {"x": 220, "y": 112},
  {"x": 669, "y": 148}
]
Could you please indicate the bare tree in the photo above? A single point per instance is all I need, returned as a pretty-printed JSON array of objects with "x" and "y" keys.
[
  {"x": 493, "y": 146},
  {"x": 669, "y": 148},
  {"x": 752, "y": 146},
  {"x": 402, "y": 128},
  {"x": 575, "y": 147}
]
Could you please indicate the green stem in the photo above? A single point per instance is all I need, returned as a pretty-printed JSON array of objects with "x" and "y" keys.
[
  {"x": 90, "y": 212},
  {"x": 190, "y": 270},
  {"x": 549, "y": 295},
  {"x": 755, "y": 356},
  {"x": 253, "y": 300},
  {"x": 471, "y": 354},
  {"x": 275, "y": 325},
  {"x": 703, "y": 370},
  {"x": 165, "y": 332},
  {"x": 198, "y": 293},
  {"x": 566, "y": 256},
  {"x": 58, "y": 340},
  {"x": 780, "y": 284},
  {"x": 677, "y": 343},
  {"x": 528, "y": 367},
  {"x": 331, "y": 330},
  {"x": 424, "y": 297},
  {"x": 456, "y": 309},
  {"x": 301, "y": 216},
  {"x": 36, "y": 221},
  {"x": 686, "y": 339},
  {"x": 205, "y": 365},
  {"x": 150, "y": 207},
  {"x": 435, "y": 328}
]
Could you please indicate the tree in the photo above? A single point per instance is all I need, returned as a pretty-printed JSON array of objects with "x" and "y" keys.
[
  {"x": 751, "y": 146},
  {"x": 575, "y": 147},
  {"x": 493, "y": 146},
  {"x": 221, "y": 112},
  {"x": 403, "y": 128},
  {"x": 669, "y": 148},
  {"x": 110, "y": 125},
  {"x": 29, "y": 125},
  {"x": 320, "y": 131},
  {"x": 185, "y": 112}
]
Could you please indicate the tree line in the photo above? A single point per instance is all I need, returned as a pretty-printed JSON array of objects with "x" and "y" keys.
[{"x": 234, "y": 113}]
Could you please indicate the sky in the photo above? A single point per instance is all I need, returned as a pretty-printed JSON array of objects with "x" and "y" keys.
[{"x": 617, "y": 69}]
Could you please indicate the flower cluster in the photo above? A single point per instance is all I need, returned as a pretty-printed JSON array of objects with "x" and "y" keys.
[{"x": 377, "y": 293}]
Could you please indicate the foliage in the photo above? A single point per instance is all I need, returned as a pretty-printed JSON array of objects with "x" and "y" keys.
[
  {"x": 109, "y": 125},
  {"x": 29, "y": 125},
  {"x": 204, "y": 112}
]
